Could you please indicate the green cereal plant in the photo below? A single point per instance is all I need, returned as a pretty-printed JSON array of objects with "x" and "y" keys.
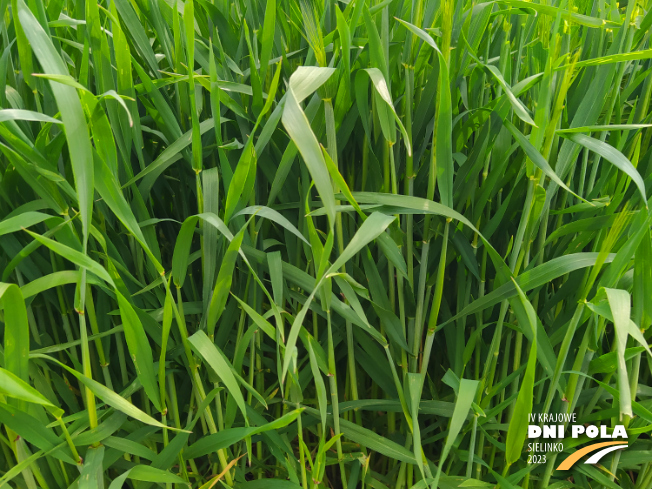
[{"x": 294, "y": 244}]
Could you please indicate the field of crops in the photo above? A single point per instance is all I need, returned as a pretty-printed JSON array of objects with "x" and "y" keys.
[{"x": 294, "y": 244}]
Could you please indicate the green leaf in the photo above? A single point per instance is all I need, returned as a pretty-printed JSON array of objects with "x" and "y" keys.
[
  {"x": 108, "y": 396},
  {"x": 619, "y": 303},
  {"x": 147, "y": 474},
  {"x": 12, "y": 386},
  {"x": 21, "y": 221},
  {"x": 372, "y": 227},
  {"x": 613, "y": 156},
  {"x": 74, "y": 256},
  {"x": 26, "y": 115},
  {"x": 72, "y": 115},
  {"x": 33, "y": 431},
  {"x": 16, "y": 332},
  {"x": 223, "y": 283},
  {"x": 345, "y": 39},
  {"x": 297, "y": 125},
  {"x": 230, "y": 436},
  {"x": 565, "y": 14},
  {"x": 306, "y": 80},
  {"x": 371, "y": 440},
  {"x": 272, "y": 215},
  {"x": 380, "y": 85},
  {"x": 465, "y": 396},
  {"x": 267, "y": 484},
  {"x": 322, "y": 400},
  {"x": 240, "y": 187},
  {"x": 259, "y": 320},
  {"x": 414, "y": 387},
  {"x": 170, "y": 154},
  {"x": 600, "y": 128},
  {"x": 182, "y": 250},
  {"x": 421, "y": 34},
  {"x": 612, "y": 58},
  {"x": 537, "y": 159},
  {"x": 215, "y": 358},
  {"x": 92, "y": 472},
  {"x": 108, "y": 188},
  {"x": 444, "y": 134},
  {"x": 140, "y": 350},
  {"x": 267, "y": 41},
  {"x": 519, "y": 110},
  {"x": 518, "y": 425},
  {"x": 64, "y": 79}
]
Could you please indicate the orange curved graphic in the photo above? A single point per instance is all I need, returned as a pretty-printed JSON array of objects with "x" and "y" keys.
[{"x": 570, "y": 461}]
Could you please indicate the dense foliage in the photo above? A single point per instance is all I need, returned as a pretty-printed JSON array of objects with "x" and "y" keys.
[{"x": 322, "y": 244}]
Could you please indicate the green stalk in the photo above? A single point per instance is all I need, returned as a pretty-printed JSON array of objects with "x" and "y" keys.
[
  {"x": 332, "y": 151},
  {"x": 86, "y": 360},
  {"x": 409, "y": 173},
  {"x": 90, "y": 308},
  {"x": 436, "y": 304},
  {"x": 71, "y": 444},
  {"x": 332, "y": 379},
  {"x": 447, "y": 13},
  {"x": 198, "y": 386}
]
